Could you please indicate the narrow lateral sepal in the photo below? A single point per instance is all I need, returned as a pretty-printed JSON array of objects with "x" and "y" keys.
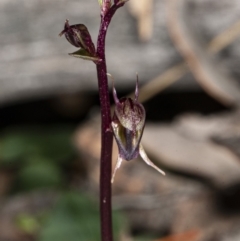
[
  {"x": 119, "y": 162},
  {"x": 148, "y": 161}
]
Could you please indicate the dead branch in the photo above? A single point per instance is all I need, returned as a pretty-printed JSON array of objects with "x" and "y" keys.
[{"x": 214, "y": 80}]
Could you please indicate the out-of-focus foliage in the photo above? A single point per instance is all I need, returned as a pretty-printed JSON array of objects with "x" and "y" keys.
[
  {"x": 40, "y": 158},
  {"x": 40, "y": 174},
  {"x": 53, "y": 143},
  {"x": 28, "y": 223},
  {"x": 75, "y": 218},
  {"x": 39, "y": 153}
]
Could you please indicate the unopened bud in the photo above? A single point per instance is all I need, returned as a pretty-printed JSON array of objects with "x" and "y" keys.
[
  {"x": 105, "y": 6},
  {"x": 78, "y": 36}
]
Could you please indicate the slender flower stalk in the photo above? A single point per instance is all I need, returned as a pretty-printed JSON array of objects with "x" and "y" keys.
[
  {"x": 107, "y": 137},
  {"x": 128, "y": 120},
  {"x": 79, "y": 36}
]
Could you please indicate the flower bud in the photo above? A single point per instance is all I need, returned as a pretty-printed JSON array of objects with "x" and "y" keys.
[
  {"x": 78, "y": 36},
  {"x": 128, "y": 124},
  {"x": 105, "y": 5}
]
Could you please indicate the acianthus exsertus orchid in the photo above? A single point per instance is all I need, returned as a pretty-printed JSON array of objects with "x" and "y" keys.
[{"x": 128, "y": 123}]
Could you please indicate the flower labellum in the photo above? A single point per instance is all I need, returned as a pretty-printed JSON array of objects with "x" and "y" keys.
[{"x": 128, "y": 124}]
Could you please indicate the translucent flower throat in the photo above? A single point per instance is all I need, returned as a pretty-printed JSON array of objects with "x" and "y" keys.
[{"x": 128, "y": 123}]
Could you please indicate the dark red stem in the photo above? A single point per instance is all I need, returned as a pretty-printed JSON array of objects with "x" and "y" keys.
[{"x": 107, "y": 137}]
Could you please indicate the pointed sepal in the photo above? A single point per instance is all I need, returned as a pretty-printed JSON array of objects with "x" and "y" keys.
[
  {"x": 119, "y": 162},
  {"x": 148, "y": 161}
]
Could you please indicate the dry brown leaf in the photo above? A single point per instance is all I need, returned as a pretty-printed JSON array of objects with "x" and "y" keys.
[{"x": 192, "y": 235}]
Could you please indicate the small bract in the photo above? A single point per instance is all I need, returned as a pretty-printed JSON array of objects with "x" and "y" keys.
[{"x": 128, "y": 123}]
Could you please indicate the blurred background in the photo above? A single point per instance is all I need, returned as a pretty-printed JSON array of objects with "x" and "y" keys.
[{"x": 187, "y": 54}]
